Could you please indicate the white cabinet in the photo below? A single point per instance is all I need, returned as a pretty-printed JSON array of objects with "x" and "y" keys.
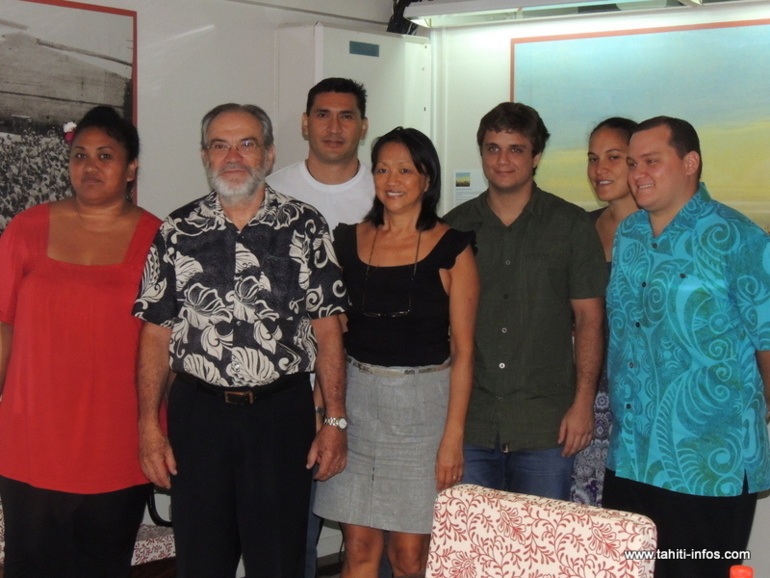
[{"x": 394, "y": 68}]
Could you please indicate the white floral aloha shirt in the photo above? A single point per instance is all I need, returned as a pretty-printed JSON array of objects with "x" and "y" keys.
[{"x": 239, "y": 303}]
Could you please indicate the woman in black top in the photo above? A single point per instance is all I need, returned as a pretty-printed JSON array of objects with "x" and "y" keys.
[{"x": 413, "y": 287}]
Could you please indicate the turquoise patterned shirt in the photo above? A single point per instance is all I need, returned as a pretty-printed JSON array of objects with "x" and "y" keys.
[{"x": 687, "y": 312}]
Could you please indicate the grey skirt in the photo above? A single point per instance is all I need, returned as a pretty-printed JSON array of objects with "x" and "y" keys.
[{"x": 397, "y": 417}]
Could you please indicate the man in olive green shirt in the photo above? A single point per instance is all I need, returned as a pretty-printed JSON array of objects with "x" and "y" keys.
[{"x": 543, "y": 275}]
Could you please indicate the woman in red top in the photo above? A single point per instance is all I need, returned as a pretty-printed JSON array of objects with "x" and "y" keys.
[{"x": 70, "y": 481}]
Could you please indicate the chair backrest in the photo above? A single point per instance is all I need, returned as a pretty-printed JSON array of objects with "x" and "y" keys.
[{"x": 487, "y": 533}]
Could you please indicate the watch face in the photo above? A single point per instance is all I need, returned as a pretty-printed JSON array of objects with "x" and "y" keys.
[{"x": 339, "y": 422}]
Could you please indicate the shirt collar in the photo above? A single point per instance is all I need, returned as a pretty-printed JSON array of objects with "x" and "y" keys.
[
  {"x": 212, "y": 208},
  {"x": 688, "y": 215},
  {"x": 534, "y": 205}
]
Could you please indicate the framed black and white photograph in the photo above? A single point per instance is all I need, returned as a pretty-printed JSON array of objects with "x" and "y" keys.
[{"x": 58, "y": 60}]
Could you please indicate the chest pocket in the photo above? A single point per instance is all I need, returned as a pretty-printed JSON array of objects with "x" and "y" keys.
[
  {"x": 543, "y": 266},
  {"x": 280, "y": 290}
]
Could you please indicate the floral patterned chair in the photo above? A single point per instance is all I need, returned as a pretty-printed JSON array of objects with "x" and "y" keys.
[
  {"x": 153, "y": 543},
  {"x": 483, "y": 533}
]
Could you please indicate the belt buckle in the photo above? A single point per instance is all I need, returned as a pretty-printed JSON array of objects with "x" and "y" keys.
[{"x": 239, "y": 397}]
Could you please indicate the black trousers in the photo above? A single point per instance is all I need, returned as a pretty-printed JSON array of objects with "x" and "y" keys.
[
  {"x": 242, "y": 486},
  {"x": 692, "y": 530},
  {"x": 50, "y": 533}
]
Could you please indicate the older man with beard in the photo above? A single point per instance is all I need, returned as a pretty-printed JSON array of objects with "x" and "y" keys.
[{"x": 241, "y": 297}]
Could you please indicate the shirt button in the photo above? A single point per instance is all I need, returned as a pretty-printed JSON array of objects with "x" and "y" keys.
[
  {"x": 236, "y": 366},
  {"x": 628, "y": 406},
  {"x": 504, "y": 330},
  {"x": 644, "y": 283},
  {"x": 507, "y": 261},
  {"x": 682, "y": 275},
  {"x": 238, "y": 323},
  {"x": 638, "y": 324},
  {"x": 630, "y": 364},
  {"x": 501, "y": 366},
  {"x": 654, "y": 245}
]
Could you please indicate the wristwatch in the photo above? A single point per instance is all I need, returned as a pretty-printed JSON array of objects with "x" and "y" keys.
[{"x": 339, "y": 422}]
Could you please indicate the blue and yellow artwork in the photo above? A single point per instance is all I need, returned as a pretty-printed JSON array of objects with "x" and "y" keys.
[{"x": 715, "y": 76}]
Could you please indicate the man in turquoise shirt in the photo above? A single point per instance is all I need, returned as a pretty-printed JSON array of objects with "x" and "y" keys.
[{"x": 689, "y": 358}]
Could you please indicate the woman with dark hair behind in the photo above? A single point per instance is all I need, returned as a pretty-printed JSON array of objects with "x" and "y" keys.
[
  {"x": 72, "y": 489},
  {"x": 413, "y": 288},
  {"x": 608, "y": 175}
]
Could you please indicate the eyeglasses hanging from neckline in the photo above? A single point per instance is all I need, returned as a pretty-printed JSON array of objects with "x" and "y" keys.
[{"x": 369, "y": 268}]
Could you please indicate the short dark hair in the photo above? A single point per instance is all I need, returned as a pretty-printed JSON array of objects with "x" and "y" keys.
[
  {"x": 684, "y": 138},
  {"x": 107, "y": 119},
  {"x": 625, "y": 126},
  {"x": 252, "y": 109},
  {"x": 336, "y": 84},
  {"x": 425, "y": 159},
  {"x": 515, "y": 117}
]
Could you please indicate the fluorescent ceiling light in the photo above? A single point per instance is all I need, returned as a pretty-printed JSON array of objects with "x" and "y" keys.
[{"x": 443, "y": 13}]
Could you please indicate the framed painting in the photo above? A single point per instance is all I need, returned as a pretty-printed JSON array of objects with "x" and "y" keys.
[
  {"x": 59, "y": 59},
  {"x": 712, "y": 75}
]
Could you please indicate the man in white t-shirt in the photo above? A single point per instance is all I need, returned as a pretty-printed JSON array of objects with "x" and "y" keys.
[
  {"x": 335, "y": 182},
  {"x": 332, "y": 179}
]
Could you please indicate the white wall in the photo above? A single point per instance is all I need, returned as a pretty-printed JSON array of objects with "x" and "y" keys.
[
  {"x": 192, "y": 56},
  {"x": 473, "y": 74},
  {"x": 366, "y": 11}
]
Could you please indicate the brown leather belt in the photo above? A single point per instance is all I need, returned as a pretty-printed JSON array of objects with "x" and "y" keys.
[{"x": 245, "y": 396}]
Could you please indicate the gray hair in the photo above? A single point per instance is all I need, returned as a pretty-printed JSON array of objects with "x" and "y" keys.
[{"x": 252, "y": 109}]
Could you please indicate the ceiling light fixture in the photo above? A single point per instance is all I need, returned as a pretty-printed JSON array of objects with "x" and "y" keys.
[{"x": 445, "y": 13}]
